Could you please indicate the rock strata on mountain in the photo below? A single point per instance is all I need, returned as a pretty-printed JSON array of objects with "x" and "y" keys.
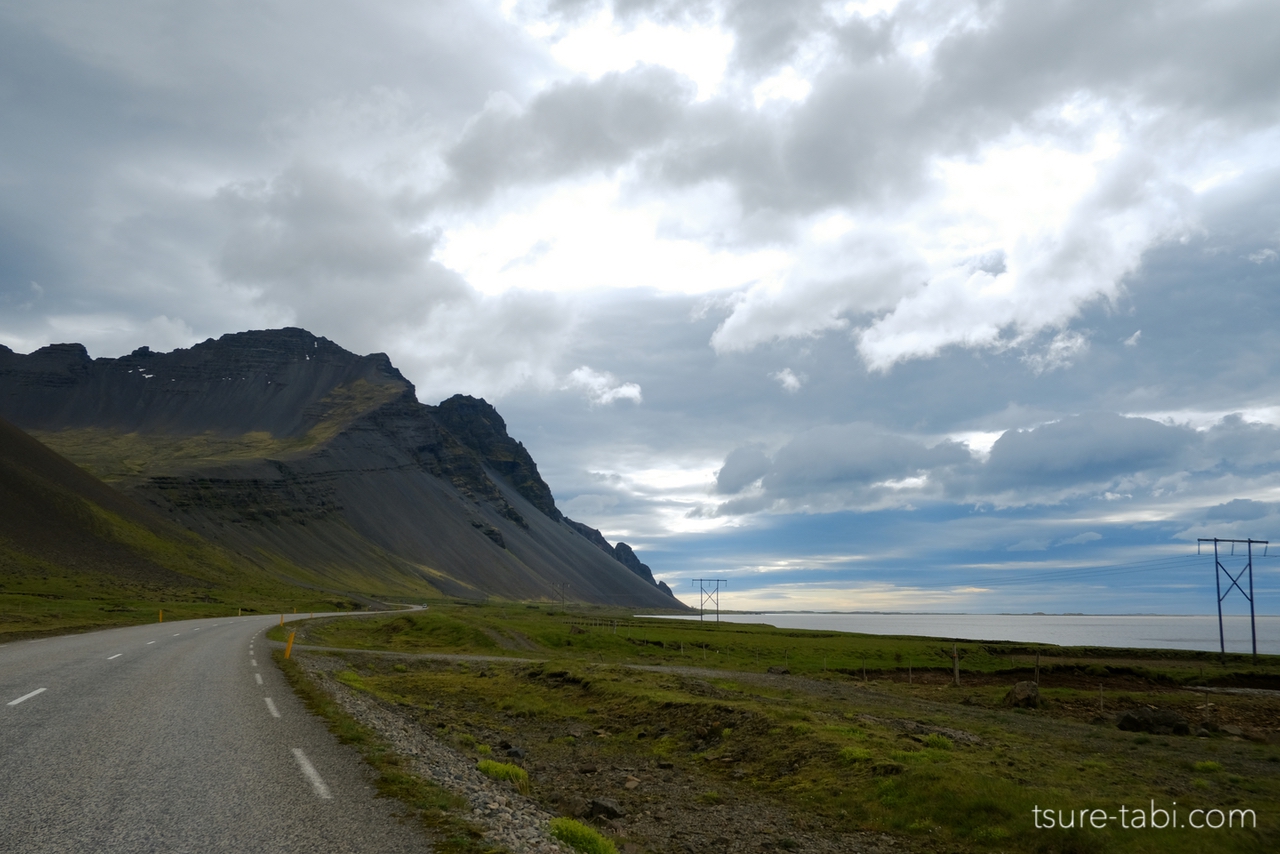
[{"x": 320, "y": 465}]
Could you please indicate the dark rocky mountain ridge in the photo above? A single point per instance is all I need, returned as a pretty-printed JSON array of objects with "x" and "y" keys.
[
  {"x": 320, "y": 465},
  {"x": 622, "y": 553}
]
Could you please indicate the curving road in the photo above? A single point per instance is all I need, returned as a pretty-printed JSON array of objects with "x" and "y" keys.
[{"x": 176, "y": 737}]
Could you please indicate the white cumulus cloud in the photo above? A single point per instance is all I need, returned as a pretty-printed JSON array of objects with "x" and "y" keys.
[{"x": 602, "y": 387}]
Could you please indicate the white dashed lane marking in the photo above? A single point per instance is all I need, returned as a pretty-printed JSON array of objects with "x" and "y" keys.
[
  {"x": 271, "y": 707},
  {"x": 258, "y": 676},
  {"x": 113, "y": 657},
  {"x": 148, "y": 643},
  {"x": 313, "y": 776},
  {"x": 26, "y": 697}
]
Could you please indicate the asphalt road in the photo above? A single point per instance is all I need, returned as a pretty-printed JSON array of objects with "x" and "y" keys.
[{"x": 174, "y": 737}]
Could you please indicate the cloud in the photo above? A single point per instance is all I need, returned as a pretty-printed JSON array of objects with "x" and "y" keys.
[
  {"x": 741, "y": 468},
  {"x": 602, "y": 387},
  {"x": 1080, "y": 539},
  {"x": 1059, "y": 352},
  {"x": 789, "y": 379},
  {"x": 1082, "y": 451},
  {"x": 572, "y": 128},
  {"x": 1103, "y": 457},
  {"x": 835, "y": 467},
  {"x": 1029, "y": 546},
  {"x": 1239, "y": 510},
  {"x": 336, "y": 254}
]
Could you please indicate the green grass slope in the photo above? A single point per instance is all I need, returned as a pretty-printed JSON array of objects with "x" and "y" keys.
[{"x": 76, "y": 554}]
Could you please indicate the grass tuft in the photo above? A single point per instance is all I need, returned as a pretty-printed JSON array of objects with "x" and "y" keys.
[
  {"x": 938, "y": 741},
  {"x": 503, "y": 771},
  {"x": 850, "y": 755},
  {"x": 580, "y": 837}
]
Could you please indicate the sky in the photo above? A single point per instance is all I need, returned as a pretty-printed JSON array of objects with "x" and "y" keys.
[{"x": 919, "y": 306}]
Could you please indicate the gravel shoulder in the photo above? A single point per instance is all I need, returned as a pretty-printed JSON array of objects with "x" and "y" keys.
[{"x": 647, "y": 805}]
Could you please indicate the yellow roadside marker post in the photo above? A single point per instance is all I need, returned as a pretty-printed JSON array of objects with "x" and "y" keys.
[
  {"x": 282, "y": 619},
  {"x": 288, "y": 648}
]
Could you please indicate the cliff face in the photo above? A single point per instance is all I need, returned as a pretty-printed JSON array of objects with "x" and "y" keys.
[
  {"x": 317, "y": 463},
  {"x": 622, "y": 553}
]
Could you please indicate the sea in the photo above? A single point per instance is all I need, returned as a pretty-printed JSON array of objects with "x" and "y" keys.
[{"x": 1142, "y": 631}]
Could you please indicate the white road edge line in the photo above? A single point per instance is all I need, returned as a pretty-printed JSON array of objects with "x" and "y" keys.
[
  {"x": 313, "y": 776},
  {"x": 113, "y": 657},
  {"x": 27, "y": 696},
  {"x": 258, "y": 676},
  {"x": 271, "y": 707}
]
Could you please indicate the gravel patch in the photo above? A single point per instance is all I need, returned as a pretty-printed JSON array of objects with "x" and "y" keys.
[{"x": 508, "y": 819}]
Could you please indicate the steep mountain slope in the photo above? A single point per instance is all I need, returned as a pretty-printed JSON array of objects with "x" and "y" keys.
[
  {"x": 76, "y": 554},
  {"x": 52, "y": 513},
  {"x": 318, "y": 464}
]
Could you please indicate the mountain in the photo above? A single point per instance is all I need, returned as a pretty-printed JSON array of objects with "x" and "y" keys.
[{"x": 319, "y": 465}]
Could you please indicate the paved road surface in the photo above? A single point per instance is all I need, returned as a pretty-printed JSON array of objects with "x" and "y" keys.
[{"x": 175, "y": 737}]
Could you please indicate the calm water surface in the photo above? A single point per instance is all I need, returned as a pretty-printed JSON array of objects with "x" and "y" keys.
[{"x": 1151, "y": 632}]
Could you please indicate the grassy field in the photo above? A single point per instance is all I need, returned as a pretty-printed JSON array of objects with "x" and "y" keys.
[
  {"x": 39, "y": 597},
  {"x": 56, "y": 602},
  {"x": 894, "y": 747}
]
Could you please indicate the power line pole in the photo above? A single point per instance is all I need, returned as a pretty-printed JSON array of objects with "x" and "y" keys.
[
  {"x": 709, "y": 594},
  {"x": 562, "y": 587},
  {"x": 1219, "y": 570}
]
